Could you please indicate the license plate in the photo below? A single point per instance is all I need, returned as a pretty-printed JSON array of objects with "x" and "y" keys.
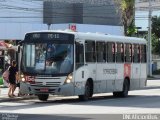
[{"x": 44, "y": 90}]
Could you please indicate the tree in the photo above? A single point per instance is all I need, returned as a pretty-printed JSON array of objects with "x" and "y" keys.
[
  {"x": 127, "y": 8},
  {"x": 156, "y": 34},
  {"x": 155, "y": 44},
  {"x": 156, "y": 26}
]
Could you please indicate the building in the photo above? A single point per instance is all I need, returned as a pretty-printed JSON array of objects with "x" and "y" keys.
[{"x": 20, "y": 16}]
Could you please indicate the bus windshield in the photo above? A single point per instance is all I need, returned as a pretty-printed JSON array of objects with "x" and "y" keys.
[{"x": 47, "y": 58}]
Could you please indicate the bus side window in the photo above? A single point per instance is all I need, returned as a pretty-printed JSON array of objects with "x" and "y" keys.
[
  {"x": 143, "y": 54},
  {"x": 136, "y": 54},
  {"x": 111, "y": 52},
  {"x": 128, "y": 53},
  {"x": 100, "y": 49},
  {"x": 79, "y": 55},
  {"x": 119, "y": 53},
  {"x": 90, "y": 51}
]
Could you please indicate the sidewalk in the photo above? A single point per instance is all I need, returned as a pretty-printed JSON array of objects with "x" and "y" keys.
[
  {"x": 4, "y": 95},
  {"x": 154, "y": 77}
]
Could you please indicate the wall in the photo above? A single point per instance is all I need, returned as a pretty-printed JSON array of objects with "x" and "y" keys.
[{"x": 85, "y": 12}]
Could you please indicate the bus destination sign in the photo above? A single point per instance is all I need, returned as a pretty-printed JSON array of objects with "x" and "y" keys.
[{"x": 48, "y": 36}]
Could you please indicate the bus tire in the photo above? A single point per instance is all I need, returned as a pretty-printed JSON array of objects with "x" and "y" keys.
[
  {"x": 43, "y": 97},
  {"x": 123, "y": 93},
  {"x": 87, "y": 92},
  {"x": 116, "y": 94}
]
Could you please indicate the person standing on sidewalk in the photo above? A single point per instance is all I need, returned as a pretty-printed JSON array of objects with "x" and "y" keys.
[{"x": 12, "y": 78}]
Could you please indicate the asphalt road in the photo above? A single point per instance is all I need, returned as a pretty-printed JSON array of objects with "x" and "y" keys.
[
  {"x": 145, "y": 103},
  {"x": 99, "y": 107}
]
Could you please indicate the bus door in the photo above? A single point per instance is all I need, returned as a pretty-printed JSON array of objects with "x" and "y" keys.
[
  {"x": 90, "y": 60},
  {"x": 80, "y": 72},
  {"x": 100, "y": 84}
]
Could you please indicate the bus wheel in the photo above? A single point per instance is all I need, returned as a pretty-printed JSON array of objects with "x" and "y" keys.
[
  {"x": 87, "y": 93},
  {"x": 116, "y": 94},
  {"x": 123, "y": 93},
  {"x": 43, "y": 97}
]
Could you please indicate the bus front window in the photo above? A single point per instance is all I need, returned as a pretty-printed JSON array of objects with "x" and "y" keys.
[{"x": 42, "y": 58}]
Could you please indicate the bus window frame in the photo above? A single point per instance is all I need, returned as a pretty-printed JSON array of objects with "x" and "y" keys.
[
  {"x": 94, "y": 58},
  {"x": 76, "y": 54},
  {"x": 130, "y": 53},
  {"x": 104, "y": 52},
  {"x": 145, "y": 53},
  {"x": 122, "y": 52},
  {"x": 113, "y": 52}
]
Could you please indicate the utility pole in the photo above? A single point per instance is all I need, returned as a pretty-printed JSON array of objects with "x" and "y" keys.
[{"x": 149, "y": 39}]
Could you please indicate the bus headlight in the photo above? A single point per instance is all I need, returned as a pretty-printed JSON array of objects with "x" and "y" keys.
[
  {"x": 23, "y": 79},
  {"x": 22, "y": 75},
  {"x": 69, "y": 78}
]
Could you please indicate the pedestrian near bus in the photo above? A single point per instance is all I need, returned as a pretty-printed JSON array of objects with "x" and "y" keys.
[{"x": 12, "y": 78}]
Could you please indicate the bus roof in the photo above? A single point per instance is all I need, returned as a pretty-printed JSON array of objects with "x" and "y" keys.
[{"x": 98, "y": 36}]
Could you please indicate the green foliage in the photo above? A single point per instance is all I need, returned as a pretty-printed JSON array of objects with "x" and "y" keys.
[
  {"x": 156, "y": 26},
  {"x": 131, "y": 30},
  {"x": 156, "y": 35},
  {"x": 127, "y": 14},
  {"x": 155, "y": 44}
]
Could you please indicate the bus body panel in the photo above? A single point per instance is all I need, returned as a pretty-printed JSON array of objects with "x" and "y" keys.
[
  {"x": 119, "y": 77},
  {"x": 143, "y": 76},
  {"x": 81, "y": 75},
  {"x": 100, "y": 84},
  {"x": 135, "y": 76},
  {"x": 24, "y": 89},
  {"x": 108, "y": 73}
]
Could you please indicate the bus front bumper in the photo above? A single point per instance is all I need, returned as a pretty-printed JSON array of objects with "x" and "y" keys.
[{"x": 63, "y": 90}]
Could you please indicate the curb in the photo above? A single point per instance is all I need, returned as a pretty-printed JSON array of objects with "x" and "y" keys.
[
  {"x": 16, "y": 98},
  {"x": 34, "y": 97},
  {"x": 2, "y": 86},
  {"x": 153, "y": 78},
  {"x": 150, "y": 87}
]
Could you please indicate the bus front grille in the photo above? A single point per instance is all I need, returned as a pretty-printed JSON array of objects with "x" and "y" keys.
[{"x": 46, "y": 84}]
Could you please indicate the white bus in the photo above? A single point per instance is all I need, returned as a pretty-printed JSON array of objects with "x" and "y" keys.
[{"x": 81, "y": 64}]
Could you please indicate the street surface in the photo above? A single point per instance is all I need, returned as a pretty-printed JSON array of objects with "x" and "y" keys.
[{"x": 146, "y": 101}]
